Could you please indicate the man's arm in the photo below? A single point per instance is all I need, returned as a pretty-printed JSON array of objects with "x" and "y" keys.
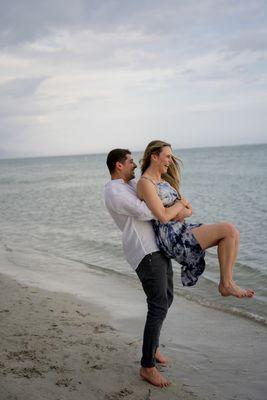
[{"x": 130, "y": 206}]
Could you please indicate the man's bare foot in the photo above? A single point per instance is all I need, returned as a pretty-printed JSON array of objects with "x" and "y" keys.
[
  {"x": 153, "y": 376},
  {"x": 160, "y": 358},
  {"x": 233, "y": 290}
]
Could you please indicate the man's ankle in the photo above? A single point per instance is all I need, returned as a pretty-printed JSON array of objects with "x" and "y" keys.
[{"x": 148, "y": 368}]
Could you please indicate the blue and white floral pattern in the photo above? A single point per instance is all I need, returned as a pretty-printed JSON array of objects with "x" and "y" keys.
[{"x": 176, "y": 240}]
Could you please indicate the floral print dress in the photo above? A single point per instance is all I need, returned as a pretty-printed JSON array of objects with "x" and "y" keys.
[{"x": 176, "y": 240}]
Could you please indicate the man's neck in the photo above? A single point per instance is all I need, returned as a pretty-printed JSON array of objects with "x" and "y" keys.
[{"x": 118, "y": 176}]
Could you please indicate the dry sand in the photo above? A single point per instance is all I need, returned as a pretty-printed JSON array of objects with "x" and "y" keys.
[{"x": 55, "y": 346}]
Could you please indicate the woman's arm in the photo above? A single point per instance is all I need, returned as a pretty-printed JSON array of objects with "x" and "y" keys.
[
  {"x": 186, "y": 204},
  {"x": 185, "y": 201},
  {"x": 146, "y": 191},
  {"x": 187, "y": 212}
]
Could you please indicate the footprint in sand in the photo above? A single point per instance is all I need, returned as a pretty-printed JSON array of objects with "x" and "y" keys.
[
  {"x": 66, "y": 382},
  {"x": 120, "y": 395},
  {"x": 82, "y": 314},
  {"x": 21, "y": 355},
  {"x": 111, "y": 348},
  {"x": 102, "y": 328},
  {"x": 31, "y": 372},
  {"x": 98, "y": 367}
]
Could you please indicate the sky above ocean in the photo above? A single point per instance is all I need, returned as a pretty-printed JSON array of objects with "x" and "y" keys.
[{"x": 85, "y": 76}]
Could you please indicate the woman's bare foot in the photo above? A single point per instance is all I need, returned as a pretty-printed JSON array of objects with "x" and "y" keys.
[
  {"x": 160, "y": 358},
  {"x": 233, "y": 290},
  {"x": 153, "y": 376}
]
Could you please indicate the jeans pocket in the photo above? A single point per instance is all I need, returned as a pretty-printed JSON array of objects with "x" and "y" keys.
[{"x": 144, "y": 267}]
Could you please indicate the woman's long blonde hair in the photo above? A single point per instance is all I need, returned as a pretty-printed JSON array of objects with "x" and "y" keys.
[{"x": 173, "y": 175}]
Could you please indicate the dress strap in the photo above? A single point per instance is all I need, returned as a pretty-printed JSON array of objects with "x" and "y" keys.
[{"x": 151, "y": 180}]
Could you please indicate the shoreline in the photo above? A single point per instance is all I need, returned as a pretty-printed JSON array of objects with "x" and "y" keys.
[
  {"x": 53, "y": 272},
  {"x": 56, "y": 346},
  {"x": 214, "y": 355}
]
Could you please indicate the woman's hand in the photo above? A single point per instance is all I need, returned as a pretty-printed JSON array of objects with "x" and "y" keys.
[
  {"x": 187, "y": 205},
  {"x": 185, "y": 202},
  {"x": 186, "y": 212}
]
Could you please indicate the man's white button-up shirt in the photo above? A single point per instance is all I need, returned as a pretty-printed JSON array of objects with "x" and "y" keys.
[{"x": 132, "y": 216}]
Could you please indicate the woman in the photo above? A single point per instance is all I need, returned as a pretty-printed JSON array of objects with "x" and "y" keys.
[{"x": 186, "y": 243}]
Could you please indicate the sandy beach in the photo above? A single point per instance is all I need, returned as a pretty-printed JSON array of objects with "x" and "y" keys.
[
  {"x": 54, "y": 346},
  {"x": 71, "y": 331}
]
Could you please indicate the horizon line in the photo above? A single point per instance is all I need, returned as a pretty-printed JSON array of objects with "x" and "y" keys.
[{"x": 133, "y": 151}]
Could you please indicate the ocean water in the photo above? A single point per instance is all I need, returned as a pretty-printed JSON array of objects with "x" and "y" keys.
[{"x": 54, "y": 206}]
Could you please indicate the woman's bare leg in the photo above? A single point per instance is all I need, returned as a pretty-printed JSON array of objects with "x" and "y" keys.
[
  {"x": 236, "y": 248},
  {"x": 226, "y": 237}
]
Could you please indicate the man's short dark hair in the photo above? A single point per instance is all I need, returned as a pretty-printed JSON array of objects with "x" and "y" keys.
[{"x": 116, "y": 155}]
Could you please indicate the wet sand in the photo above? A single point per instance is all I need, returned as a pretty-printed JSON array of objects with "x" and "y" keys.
[
  {"x": 55, "y": 346},
  {"x": 74, "y": 331}
]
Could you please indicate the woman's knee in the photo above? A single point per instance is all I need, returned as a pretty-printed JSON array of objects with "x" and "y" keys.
[
  {"x": 231, "y": 231},
  {"x": 237, "y": 236}
]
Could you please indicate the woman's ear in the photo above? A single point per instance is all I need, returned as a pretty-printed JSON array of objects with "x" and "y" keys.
[{"x": 154, "y": 157}]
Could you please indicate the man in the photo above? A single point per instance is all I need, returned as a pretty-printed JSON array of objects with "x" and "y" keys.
[{"x": 154, "y": 270}]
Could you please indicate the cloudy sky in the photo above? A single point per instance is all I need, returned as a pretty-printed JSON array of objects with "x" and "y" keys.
[{"x": 83, "y": 76}]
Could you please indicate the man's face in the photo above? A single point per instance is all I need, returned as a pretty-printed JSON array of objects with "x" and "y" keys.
[{"x": 128, "y": 168}]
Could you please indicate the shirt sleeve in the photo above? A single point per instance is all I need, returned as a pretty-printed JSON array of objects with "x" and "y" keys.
[{"x": 131, "y": 206}]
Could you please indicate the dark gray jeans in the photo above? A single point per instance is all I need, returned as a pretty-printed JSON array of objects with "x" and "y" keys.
[{"x": 156, "y": 275}]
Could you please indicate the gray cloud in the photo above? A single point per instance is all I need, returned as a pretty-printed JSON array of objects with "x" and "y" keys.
[
  {"x": 178, "y": 29},
  {"x": 29, "y": 20},
  {"x": 69, "y": 67},
  {"x": 20, "y": 87},
  {"x": 254, "y": 41}
]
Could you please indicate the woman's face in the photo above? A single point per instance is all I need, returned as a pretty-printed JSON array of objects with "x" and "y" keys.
[{"x": 164, "y": 159}]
